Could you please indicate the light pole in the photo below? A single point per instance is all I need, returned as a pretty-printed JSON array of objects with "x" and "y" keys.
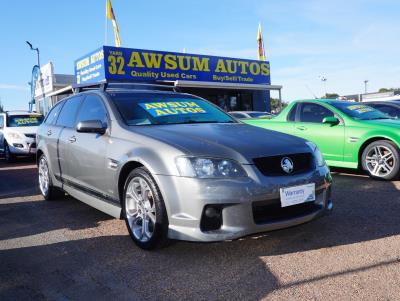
[
  {"x": 40, "y": 76},
  {"x": 37, "y": 51},
  {"x": 365, "y": 85}
]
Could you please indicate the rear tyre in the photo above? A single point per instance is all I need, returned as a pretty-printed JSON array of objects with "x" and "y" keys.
[
  {"x": 46, "y": 187},
  {"x": 381, "y": 159},
  {"x": 10, "y": 158},
  {"x": 144, "y": 210}
]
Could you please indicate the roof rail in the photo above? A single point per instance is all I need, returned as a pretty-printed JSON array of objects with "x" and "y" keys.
[{"x": 106, "y": 86}]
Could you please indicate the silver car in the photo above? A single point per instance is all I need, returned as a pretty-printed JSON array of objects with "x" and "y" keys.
[{"x": 174, "y": 166}]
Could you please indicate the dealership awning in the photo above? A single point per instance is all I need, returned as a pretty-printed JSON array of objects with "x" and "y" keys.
[{"x": 222, "y": 85}]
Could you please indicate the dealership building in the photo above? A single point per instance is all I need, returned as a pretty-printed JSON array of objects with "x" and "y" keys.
[{"x": 231, "y": 83}]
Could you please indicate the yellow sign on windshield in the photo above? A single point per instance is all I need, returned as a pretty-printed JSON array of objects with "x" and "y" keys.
[
  {"x": 157, "y": 109},
  {"x": 360, "y": 108},
  {"x": 26, "y": 120}
]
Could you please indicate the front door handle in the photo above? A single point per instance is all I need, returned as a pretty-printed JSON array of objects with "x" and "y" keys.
[
  {"x": 49, "y": 133},
  {"x": 301, "y": 127},
  {"x": 72, "y": 139}
]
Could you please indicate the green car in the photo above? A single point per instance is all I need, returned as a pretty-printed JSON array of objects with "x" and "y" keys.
[{"x": 350, "y": 135}]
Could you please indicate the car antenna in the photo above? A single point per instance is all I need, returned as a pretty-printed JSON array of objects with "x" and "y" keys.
[{"x": 309, "y": 90}]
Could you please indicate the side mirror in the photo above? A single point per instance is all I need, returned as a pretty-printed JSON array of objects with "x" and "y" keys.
[
  {"x": 91, "y": 126},
  {"x": 331, "y": 120}
]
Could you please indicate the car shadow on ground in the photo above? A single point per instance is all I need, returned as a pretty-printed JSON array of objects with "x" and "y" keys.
[{"x": 111, "y": 266}]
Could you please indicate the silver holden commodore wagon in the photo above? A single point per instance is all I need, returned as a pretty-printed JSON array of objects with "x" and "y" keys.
[{"x": 174, "y": 166}]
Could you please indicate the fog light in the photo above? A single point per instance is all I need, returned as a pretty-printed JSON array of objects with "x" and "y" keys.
[
  {"x": 18, "y": 145},
  {"x": 211, "y": 218}
]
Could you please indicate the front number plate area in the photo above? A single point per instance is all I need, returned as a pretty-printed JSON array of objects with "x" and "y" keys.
[{"x": 297, "y": 194}]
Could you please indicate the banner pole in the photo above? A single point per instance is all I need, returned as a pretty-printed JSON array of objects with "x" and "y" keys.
[{"x": 105, "y": 27}]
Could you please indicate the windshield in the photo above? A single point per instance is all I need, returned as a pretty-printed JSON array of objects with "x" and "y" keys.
[
  {"x": 157, "y": 109},
  {"x": 24, "y": 120},
  {"x": 359, "y": 111}
]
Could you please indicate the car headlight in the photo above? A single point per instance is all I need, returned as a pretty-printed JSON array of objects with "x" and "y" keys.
[
  {"x": 14, "y": 135},
  {"x": 319, "y": 158},
  {"x": 201, "y": 167}
]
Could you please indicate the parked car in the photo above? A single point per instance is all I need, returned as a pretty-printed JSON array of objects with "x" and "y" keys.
[
  {"x": 18, "y": 133},
  {"x": 391, "y": 108},
  {"x": 176, "y": 166},
  {"x": 350, "y": 135},
  {"x": 250, "y": 114}
]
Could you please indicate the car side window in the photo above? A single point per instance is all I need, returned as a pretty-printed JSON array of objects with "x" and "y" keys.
[
  {"x": 292, "y": 113},
  {"x": 1, "y": 121},
  {"x": 92, "y": 109},
  {"x": 312, "y": 112},
  {"x": 389, "y": 110},
  {"x": 68, "y": 112},
  {"x": 53, "y": 114}
]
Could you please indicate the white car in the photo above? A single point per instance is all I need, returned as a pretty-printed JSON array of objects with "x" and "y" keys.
[
  {"x": 250, "y": 114},
  {"x": 18, "y": 133}
]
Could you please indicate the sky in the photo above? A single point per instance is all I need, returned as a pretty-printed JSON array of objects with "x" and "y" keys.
[{"x": 346, "y": 42}]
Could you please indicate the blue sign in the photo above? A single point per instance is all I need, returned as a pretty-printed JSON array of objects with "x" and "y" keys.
[{"x": 130, "y": 65}]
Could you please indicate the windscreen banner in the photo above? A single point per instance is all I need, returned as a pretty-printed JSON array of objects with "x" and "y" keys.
[{"x": 115, "y": 64}]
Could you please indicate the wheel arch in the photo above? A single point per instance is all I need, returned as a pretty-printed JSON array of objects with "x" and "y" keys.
[
  {"x": 39, "y": 153},
  {"x": 369, "y": 141},
  {"x": 123, "y": 174}
]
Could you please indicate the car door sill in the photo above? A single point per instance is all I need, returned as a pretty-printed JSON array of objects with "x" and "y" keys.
[{"x": 93, "y": 198}]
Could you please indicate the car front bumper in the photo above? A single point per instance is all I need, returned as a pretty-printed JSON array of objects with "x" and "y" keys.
[
  {"x": 249, "y": 205},
  {"x": 23, "y": 148}
]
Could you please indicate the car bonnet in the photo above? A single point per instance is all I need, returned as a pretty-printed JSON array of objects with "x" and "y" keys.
[{"x": 235, "y": 141}]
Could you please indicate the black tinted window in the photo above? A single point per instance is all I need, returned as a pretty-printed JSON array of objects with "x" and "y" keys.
[
  {"x": 53, "y": 114},
  {"x": 92, "y": 109},
  {"x": 311, "y": 112},
  {"x": 389, "y": 110},
  {"x": 165, "y": 108},
  {"x": 292, "y": 113},
  {"x": 68, "y": 112},
  {"x": 24, "y": 120}
]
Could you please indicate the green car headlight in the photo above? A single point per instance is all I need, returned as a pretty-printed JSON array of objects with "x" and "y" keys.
[
  {"x": 201, "y": 167},
  {"x": 319, "y": 158}
]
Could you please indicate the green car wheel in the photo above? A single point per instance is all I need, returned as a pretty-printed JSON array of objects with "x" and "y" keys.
[{"x": 381, "y": 160}]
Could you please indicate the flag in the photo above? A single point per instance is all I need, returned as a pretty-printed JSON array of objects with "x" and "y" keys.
[
  {"x": 260, "y": 42},
  {"x": 110, "y": 15}
]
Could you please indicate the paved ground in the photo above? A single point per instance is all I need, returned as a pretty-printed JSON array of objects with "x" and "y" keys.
[{"x": 65, "y": 250}]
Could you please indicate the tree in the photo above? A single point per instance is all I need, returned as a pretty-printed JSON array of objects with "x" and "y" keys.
[
  {"x": 1, "y": 107},
  {"x": 275, "y": 105},
  {"x": 383, "y": 90},
  {"x": 331, "y": 95}
]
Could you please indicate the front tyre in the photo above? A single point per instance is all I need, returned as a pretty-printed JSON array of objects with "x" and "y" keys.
[
  {"x": 144, "y": 211},
  {"x": 10, "y": 158},
  {"x": 381, "y": 159},
  {"x": 46, "y": 187}
]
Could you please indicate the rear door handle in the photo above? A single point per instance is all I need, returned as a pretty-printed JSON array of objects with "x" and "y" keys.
[
  {"x": 49, "y": 133},
  {"x": 72, "y": 139},
  {"x": 301, "y": 127}
]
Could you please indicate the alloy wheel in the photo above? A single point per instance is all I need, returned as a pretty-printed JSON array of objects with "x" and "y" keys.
[
  {"x": 380, "y": 161},
  {"x": 43, "y": 176},
  {"x": 140, "y": 209}
]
